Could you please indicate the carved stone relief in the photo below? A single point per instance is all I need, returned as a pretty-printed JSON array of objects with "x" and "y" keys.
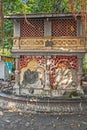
[
  {"x": 32, "y": 75},
  {"x": 62, "y": 72},
  {"x": 55, "y": 43}
]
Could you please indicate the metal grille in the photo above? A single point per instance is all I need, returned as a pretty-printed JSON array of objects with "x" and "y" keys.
[
  {"x": 34, "y": 28},
  {"x": 64, "y": 27}
]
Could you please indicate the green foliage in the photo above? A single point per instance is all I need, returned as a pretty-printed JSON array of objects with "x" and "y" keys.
[
  {"x": 8, "y": 35},
  {"x": 44, "y": 6},
  {"x": 85, "y": 63},
  {"x": 13, "y": 7},
  {"x": 32, "y": 6},
  {"x": 60, "y": 6},
  {"x": 75, "y": 94},
  {"x": 36, "y": 6}
]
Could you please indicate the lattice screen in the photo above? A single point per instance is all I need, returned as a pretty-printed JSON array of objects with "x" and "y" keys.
[
  {"x": 60, "y": 27},
  {"x": 64, "y": 27},
  {"x": 34, "y": 28}
]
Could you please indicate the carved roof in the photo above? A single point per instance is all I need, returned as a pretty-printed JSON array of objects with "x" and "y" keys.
[{"x": 36, "y": 16}]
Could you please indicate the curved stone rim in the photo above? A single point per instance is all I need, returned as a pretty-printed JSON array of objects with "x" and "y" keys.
[{"x": 50, "y": 105}]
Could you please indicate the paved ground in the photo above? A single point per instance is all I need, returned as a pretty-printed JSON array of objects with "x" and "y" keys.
[{"x": 11, "y": 120}]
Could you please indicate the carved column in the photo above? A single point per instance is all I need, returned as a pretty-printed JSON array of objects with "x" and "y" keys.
[
  {"x": 47, "y": 74},
  {"x": 80, "y": 65},
  {"x": 16, "y": 89}
]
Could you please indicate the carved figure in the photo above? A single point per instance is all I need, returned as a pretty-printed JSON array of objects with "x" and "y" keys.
[
  {"x": 63, "y": 76},
  {"x": 30, "y": 77}
]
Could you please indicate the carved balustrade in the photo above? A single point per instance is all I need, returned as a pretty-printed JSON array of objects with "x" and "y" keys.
[{"x": 60, "y": 43}]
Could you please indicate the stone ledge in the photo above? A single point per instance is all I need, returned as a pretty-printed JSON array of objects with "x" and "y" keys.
[{"x": 32, "y": 104}]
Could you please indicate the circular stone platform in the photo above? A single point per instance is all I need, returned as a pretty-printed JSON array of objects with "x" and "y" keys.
[{"x": 43, "y": 104}]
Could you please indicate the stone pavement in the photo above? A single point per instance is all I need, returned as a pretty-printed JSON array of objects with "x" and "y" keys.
[{"x": 13, "y": 120}]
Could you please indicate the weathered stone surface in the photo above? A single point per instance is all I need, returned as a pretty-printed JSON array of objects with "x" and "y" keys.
[
  {"x": 51, "y": 105},
  {"x": 17, "y": 120}
]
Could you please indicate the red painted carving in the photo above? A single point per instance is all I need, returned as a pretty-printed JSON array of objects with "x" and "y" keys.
[
  {"x": 24, "y": 60},
  {"x": 72, "y": 63},
  {"x": 54, "y": 63}
]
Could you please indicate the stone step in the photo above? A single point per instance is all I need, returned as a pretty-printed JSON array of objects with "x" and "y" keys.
[{"x": 32, "y": 104}]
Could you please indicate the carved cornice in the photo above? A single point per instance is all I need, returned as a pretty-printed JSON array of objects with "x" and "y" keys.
[{"x": 64, "y": 44}]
